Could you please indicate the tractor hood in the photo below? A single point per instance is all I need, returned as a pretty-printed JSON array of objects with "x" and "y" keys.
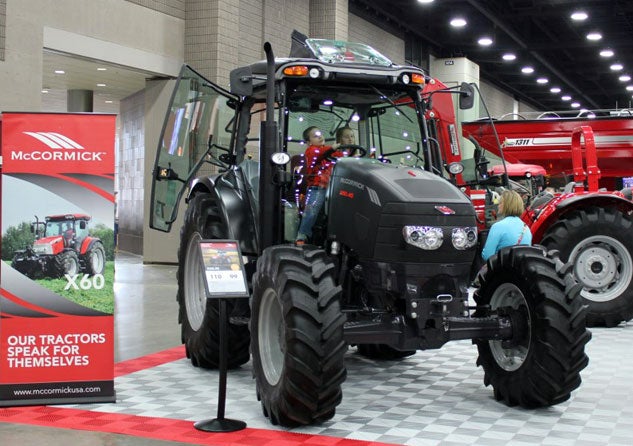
[{"x": 49, "y": 245}]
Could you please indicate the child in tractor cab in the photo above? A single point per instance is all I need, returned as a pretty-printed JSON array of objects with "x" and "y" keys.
[{"x": 317, "y": 167}]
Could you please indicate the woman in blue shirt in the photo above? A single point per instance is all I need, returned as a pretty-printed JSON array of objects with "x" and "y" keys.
[{"x": 510, "y": 230}]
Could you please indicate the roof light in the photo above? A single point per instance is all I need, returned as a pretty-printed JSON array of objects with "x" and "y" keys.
[
  {"x": 624, "y": 78},
  {"x": 555, "y": 89},
  {"x": 575, "y": 104},
  {"x": 509, "y": 56},
  {"x": 607, "y": 53},
  {"x": 60, "y": 72},
  {"x": 458, "y": 22},
  {"x": 594, "y": 36},
  {"x": 579, "y": 16},
  {"x": 296, "y": 70},
  {"x": 527, "y": 70},
  {"x": 485, "y": 41},
  {"x": 616, "y": 67},
  {"x": 542, "y": 80},
  {"x": 328, "y": 102},
  {"x": 425, "y": 1},
  {"x": 565, "y": 98},
  {"x": 629, "y": 88}
]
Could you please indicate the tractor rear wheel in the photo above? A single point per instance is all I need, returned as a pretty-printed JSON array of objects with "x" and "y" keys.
[
  {"x": 95, "y": 259},
  {"x": 297, "y": 335},
  {"x": 200, "y": 317},
  {"x": 597, "y": 242},
  {"x": 541, "y": 364}
]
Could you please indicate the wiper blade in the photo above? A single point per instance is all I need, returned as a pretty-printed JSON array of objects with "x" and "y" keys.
[{"x": 388, "y": 99}]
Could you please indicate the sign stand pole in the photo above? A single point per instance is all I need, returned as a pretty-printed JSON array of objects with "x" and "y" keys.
[{"x": 221, "y": 424}]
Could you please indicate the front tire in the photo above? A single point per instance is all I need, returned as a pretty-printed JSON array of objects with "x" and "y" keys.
[
  {"x": 541, "y": 364},
  {"x": 64, "y": 263},
  {"x": 297, "y": 336},
  {"x": 597, "y": 242},
  {"x": 95, "y": 259},
  {"x": 200, "y": 317}
]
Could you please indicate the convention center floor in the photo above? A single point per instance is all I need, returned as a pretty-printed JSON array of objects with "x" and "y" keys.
[{"x": 434, "y": 397}]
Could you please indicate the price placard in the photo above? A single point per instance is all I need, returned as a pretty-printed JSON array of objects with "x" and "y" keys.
[{"x": 223, "y": 269}]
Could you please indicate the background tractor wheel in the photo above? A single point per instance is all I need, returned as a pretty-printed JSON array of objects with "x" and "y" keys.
[
  {"x": 598, "y": 243},
  {"x": 541, "y": 364},
  {"x": 95, "y": 259},
  {"x": 297, "y": 336},
  {"x": 200, "y": 317}
]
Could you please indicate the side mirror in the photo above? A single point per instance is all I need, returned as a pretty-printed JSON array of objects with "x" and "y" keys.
[
  {"x": 241, "y": 80},
  {"x": 466, "y": 96},
  {"x": 82, "y": 224}
]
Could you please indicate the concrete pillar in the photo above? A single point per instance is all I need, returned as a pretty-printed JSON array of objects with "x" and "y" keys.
[
  {"x": 79, "y": 101},
  {"x": 329, "y": 19}
]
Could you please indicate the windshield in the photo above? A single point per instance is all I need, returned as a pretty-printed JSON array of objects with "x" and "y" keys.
[{"x": 383, "y": 122}]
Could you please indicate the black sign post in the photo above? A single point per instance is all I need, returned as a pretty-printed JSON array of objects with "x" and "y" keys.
[{"x": 224, "y": 278}]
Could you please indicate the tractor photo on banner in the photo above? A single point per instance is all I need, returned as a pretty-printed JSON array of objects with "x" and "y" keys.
[{"x": 57, "y": 271}]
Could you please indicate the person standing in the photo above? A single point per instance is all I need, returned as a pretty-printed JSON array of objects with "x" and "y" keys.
[{"x": 510, "y": 230}]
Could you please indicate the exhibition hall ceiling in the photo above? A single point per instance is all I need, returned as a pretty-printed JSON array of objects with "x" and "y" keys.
[{"x": 582, "y": 47}]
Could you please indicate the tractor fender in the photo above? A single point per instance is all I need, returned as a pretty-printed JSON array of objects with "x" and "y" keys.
[
  {"x": 564, "y": 204},
  {"x": 87, "y": 244},
  {"x": 234, "y": 207}
]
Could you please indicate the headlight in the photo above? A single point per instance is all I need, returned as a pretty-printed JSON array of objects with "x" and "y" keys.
[
  {"x": 425, "y": 237},
  {"x": 464, "y": 238},
  {"x": 455, "y": 168},
  {"x": 43, "y": 249}
]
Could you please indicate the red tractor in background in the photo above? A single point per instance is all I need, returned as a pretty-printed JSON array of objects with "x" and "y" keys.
[
  {"x": 587, "y": 221},
  {"x": 62, "y": 246}
]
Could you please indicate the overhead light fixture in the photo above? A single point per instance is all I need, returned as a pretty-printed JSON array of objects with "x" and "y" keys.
[
  {"x": 509, "y": 56},
  {"x": 579, "y": 16},
  {"x": 109, "y": 102},
  {"x": 101, "y": 68},
  {"x": 458, "y": 22},
  {"x": 44, "y": 90},
  {"x": 101, "y": 85},
  {"x": 555, "y": 90},
  {"x": 60, "y": 72},
  {"x": 527, "y": 70},
  {"x": 575, "y": 104},
  {"x": 616, "y": 67},
  {"x": 542, "y": 80},
  {"x": 606, "y": 53},
  {"x": 565, "y": 98},
  {"x": 624, "y": 78},
  {"x": 594, "y": 36},
  {"x": 629, "y": 88},
  {"x": 485, "y": 41},
  {"x": 425, "y": 1}
]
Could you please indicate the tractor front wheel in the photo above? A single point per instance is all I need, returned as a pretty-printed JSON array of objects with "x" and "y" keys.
[
  {"x": 95, "y": 259},
  {"x": 540, "y": 365},
  {"x": 64, "y": 263},
  {"x": 297, "y": 335}
]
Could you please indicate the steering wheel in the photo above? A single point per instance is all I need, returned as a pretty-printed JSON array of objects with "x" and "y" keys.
[{"x": 353, "y": 148}]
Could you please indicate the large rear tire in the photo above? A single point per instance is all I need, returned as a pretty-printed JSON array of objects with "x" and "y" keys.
[
  {"x": 541, "y": 364},
  {"x": 297, "y": 335},
  {"x": 95, "y": 259},
  {"x": 597, "y": 242},
  {"x": 200, "y": 317}
]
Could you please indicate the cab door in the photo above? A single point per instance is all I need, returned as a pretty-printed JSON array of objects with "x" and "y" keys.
[{"x": 200, "y": 115}]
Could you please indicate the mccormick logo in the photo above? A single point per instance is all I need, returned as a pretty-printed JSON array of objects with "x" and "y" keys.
[
  {"x": 445, "y": 210},
  {"x": 61, "y": 148}
]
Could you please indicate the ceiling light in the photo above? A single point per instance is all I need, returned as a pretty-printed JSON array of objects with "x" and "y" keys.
[
  {"x": 60, "y": 72},
  {"x": 527, "y": 70},
  {"x": 44, "y": 91},
  {"x": 101, "y": 85},
  {"x": 458, "y": 22},
  {"x": 485, "y": 41},
  {"x": 607, "y": 53},
  {"x": 629, "y": 88},
  {"x": 425, "y": 1},
  {"x": 575, "y": 104},
  {"x": 624, "y": 78},
  {"x": 108, "y": 102},
  {"x": 594, "y": 36},
  {"x": 579, "y": 16},
  {"x": 509, "y": 56},
  {"x": 101, "y": 69},
  {"x": 555, "y": 89},
  {"x": 542, "y": 80},
  {"x": 616, "y": 67},
  {"x": 565, "y": 98}
]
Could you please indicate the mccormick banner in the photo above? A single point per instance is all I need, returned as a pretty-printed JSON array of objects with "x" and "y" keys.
[{"x": 56, "y": 281}]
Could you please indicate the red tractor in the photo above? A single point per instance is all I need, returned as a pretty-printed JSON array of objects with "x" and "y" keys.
[
  {"x": 62, "y": 246},
  {"x": 587, "y": 220}
]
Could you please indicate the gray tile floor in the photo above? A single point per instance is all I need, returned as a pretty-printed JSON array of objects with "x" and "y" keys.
[{"x": 432, "y": 398}]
